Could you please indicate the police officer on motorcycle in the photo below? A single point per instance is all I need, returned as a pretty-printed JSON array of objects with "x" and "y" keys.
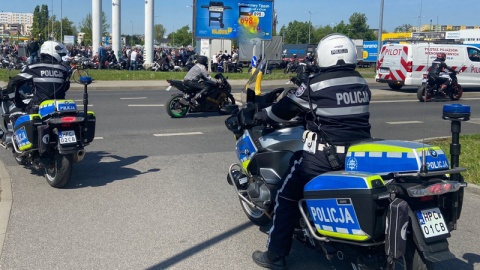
[
  {"x": 439, "y": 66},
  {"x": 48, "y": 79},
  {"x": 198, "y": 79},
  {"x": 336, "y": 104}
]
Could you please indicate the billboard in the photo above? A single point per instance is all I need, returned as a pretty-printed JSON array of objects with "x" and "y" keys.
[{"x": 231, "y": 19}]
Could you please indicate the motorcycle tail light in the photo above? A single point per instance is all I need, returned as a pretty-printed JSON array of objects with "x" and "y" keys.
[
  {"x": 69, "y": 119},
  {"x": 435, "y": 189}
]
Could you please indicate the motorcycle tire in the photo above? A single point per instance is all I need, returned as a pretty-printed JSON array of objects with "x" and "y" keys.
[
  {"x": 20, "y": 160},
  {"x": 422, "y": 94},
  {"x": 286, "y": 71},
  {"x": 58, "y": 174},
  {"x": 456, "y": 92},
  {"x": 174, "y": 108},
  {"x": 222, "y": 106},
  {"x": 395, "y": 86},
  {"x": 256, "y": 216},
  {"x": 239, "y": 70}
]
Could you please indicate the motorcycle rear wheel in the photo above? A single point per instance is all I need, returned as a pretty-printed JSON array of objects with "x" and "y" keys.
[
  {"x": 256, "y": 216},
  {"x": 422, "y": 94},
  {"x": 456, "y": 92},
  {"x": 222, "y": 107},
  {"x": 174, "y": 108},
  {"x": 59, "y": 173}
]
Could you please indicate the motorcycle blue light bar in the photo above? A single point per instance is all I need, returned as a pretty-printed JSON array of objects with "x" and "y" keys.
[
  {"x": 456, "y": 108},
  {"x": 85, "y": 80},
  {"x": 456, "y": 112}
]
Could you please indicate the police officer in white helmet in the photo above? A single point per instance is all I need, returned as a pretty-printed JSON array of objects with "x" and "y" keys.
[{"x": 336, "y": 104}]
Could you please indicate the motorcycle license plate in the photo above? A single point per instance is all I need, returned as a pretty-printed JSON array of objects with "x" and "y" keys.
[
  {"x": 431, "y": 222},
  {"x": 67, "y": 136}
]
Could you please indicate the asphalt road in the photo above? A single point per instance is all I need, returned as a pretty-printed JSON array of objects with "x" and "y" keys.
[{"x": 152, "y": 193}]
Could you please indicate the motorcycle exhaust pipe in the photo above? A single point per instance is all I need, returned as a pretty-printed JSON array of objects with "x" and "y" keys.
[{"x": 77, "y": 157}]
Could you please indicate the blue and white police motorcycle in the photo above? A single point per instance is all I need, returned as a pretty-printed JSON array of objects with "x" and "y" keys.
[
  {"x": 393, "y": 206},
  {"x": 51, "y": 139}
]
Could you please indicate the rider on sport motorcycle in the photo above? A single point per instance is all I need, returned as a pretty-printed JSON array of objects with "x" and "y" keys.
[
  {"x": 49, "y": 79},
  {"x": 196, "y": 79},
  {"x": 336, "y": 101},
  {"x": 438, "y": 66}
]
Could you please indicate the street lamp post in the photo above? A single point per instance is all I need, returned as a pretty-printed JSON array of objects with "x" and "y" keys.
[
  {"x": 131, "y": 39},
  {"x": 61, "y": 21},
  {"x": 380, "y": 30},
  {"x": 193, "y": 20},
  {"x": 310, "y": 24}
]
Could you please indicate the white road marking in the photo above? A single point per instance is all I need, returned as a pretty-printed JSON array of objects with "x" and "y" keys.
[
  {"x": 145, "y": 105},
  {"x": 177, "y": 134},
  {"x": 404, "y": 122},
  {"x": 474, "y": 121},
  {"x": 124, "y": 98},
  {"x": 98, "y": 138},
  {"x": 89, "y": 105}
]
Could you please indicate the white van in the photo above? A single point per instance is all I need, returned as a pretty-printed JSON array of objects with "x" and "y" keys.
[{"x": 405, "y": 64}]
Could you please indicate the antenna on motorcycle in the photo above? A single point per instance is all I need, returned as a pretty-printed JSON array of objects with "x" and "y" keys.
[
  {"x": 424, "y": 168},
  {"x": 85, "y": 80}
]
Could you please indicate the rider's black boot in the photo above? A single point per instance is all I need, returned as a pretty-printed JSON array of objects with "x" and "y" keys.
[{"x": 269, "y": 260}]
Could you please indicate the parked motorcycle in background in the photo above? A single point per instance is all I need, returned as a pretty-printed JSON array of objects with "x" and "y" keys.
[
  {"x": 430, "y": 89},
  {"x": 52, "y": 139},
  {"x": 216, "y": 100}
]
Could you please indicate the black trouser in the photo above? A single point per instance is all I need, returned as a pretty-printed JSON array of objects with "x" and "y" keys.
[
  {"x": 441, "y": 80},
  {"x": 303, "y": 168},
  {"x": 199, "y": 88}
]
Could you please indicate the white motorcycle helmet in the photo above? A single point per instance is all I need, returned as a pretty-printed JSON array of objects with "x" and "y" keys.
[
  {"x": 54, "y": 49},
  {"x": 334, "y": 51}
]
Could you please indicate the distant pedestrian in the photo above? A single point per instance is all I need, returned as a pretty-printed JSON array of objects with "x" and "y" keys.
[
  {"x": 33, "y": 48},
  {"x": 133, "y": 59},
  {"x": 102, "y": 56}
]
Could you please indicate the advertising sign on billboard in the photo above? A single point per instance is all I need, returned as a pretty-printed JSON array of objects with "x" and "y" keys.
[{"x": 234, "y": 19}]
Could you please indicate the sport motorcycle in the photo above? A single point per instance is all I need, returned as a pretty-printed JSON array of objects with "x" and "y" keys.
[
  {"x": 392, "y": 206},
  {"x": 430, "y": 89},
  {"x": 216, "y": 100},
  {"x": 53, "y": 138}
]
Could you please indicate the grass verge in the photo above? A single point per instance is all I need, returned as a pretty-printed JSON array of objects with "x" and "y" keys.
[
  {"x": 140, "y": 75},
  {"x": 469, "y": 156}
]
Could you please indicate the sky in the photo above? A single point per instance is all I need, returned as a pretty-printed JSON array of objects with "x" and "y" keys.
[{"x": 178, "y": 13}]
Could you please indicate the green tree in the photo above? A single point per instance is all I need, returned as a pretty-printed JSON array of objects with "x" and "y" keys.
[
  {"x": 404, "y": 28},
  {"x": 67, "y": 28},
  {"x": 40, "y": 22},
  {"x": 181, "y": 37},
  {"x": 358, "y": 27},
  {"x": 295, "y": 32},
  {"x": 158, "y": 32},
  {"x": 86, "y": 27}
]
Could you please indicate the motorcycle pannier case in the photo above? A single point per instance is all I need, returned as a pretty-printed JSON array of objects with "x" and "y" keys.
[
  {"x": 25, "y": 131},
  {"x": 346, "y": 205},
  {"x": 91, "y": 121}
]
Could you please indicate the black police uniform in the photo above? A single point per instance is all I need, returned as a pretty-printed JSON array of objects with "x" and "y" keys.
[
  {"x": 438, "y": 65},
  {"x": 50, "y": 80},
  {"x": 340, "y": 101}
]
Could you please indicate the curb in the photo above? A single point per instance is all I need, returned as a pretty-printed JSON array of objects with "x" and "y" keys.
[{"x": 5, "y": 203}]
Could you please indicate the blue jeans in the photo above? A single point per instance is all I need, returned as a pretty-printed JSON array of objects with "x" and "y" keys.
[{"x": 133, "y": 65}]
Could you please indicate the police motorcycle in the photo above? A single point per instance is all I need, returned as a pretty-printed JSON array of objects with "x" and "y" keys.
[
  {"x": 217, "y": 100},
  {"x": 430, "y": 89},
  {"x": 393, "y": 205},
  {"x": 53, "y": 138}
]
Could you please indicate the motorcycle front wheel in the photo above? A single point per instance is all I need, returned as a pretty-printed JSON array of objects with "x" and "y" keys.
[
  {"x": 176, "y": 109},
  {"x": 457, "y": 92},
  {"x": 423, "y": 94},
  {"x": 59, "y": 172},
  {"x": 222, "y": 106}
]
